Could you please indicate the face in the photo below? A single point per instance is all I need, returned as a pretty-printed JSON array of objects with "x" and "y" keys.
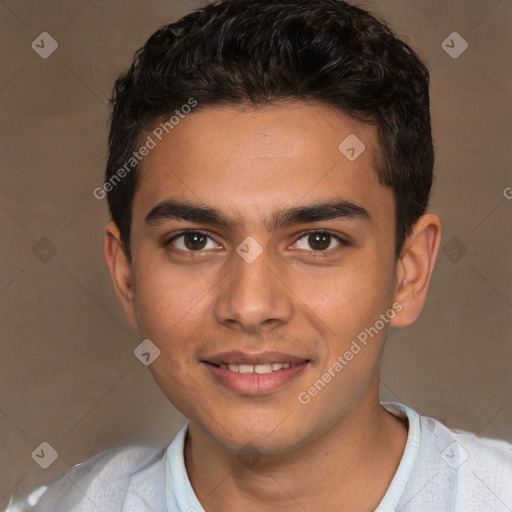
[{"x": 260, "y": 253}]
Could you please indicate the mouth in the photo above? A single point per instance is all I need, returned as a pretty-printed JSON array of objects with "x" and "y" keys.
[
  {"x": 255, "y": 374},
  {"x": 260, "y": 369}
]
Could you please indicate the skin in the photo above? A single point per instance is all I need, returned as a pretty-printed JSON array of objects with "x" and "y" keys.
[{"x": 341, "y": 450}]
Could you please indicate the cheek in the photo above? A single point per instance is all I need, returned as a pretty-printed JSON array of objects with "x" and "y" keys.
[
  {"x": 349, "y": 298},
  {"x": 348, "y": 305},
  {"x": 170, "y": 309},
  {"x": 169, "y": 301}
]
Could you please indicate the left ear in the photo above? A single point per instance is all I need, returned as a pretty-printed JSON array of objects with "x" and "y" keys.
[{"x": 414, "y": 269}]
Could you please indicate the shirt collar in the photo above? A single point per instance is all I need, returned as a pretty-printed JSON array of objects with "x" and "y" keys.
[{"x": 181, "y": 496}]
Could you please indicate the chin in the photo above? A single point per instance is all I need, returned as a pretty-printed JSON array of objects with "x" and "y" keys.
[{"x": 257, "y": 434}]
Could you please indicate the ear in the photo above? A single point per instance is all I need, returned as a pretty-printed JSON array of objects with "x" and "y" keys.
[
  {"x": 414, "y": 269},
  {"x": 120, "y": 271}
]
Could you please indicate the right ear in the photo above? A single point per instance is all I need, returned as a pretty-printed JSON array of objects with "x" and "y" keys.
[{"x": 120, "y": 271}]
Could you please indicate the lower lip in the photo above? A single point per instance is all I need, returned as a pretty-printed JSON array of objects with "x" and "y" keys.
[{"x": 255, "y": 383}]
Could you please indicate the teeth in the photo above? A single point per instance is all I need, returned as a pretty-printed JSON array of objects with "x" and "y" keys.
[
  {"x": 263, "y": 368},
  {"x": 258, "y": 368},
  {"x": 246, "y": 368}
]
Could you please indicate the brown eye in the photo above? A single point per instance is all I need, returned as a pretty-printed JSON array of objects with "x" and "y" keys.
[
  {"x": 194, "y": 241},
  {"x": 319, "y": 241},
  {"x": 191, "y": 241}
]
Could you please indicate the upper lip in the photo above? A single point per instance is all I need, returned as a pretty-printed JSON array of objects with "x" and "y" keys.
[{"x": 237, "y": 357}]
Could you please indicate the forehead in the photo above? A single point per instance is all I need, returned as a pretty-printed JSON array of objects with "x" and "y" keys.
[{"x": 248, "y": 161}]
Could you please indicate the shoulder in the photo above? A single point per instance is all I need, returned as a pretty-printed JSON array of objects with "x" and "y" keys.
[
  {"x": 449, "y": 470},
  {"x": 104, "y": 482},
  {"x": 467, "y": 451},
  {"x": 479, "y": 468}
]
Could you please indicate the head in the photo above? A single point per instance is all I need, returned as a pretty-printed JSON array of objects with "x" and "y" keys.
[{"x": 250, "y": 115}]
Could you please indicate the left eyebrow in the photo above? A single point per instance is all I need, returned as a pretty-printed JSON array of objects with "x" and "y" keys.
[
  {"x": 339, "y": 209},
  {"x": 194, "y": 212}
]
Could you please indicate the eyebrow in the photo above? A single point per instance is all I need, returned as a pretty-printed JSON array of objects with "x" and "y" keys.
[{"x": 195, "y": 212}]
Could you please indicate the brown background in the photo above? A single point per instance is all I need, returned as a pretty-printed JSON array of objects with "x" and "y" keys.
[{"x": 67, "y": 371}]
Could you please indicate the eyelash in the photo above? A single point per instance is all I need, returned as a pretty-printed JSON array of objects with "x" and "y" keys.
[{"x": 342, "y": 242}]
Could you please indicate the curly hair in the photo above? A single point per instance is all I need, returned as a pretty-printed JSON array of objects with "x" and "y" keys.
[{"x": 259, "y": 52}]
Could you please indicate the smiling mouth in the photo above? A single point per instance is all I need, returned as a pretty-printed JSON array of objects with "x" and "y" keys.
[
  {"x": 255, "y": 374},
  {"x": 260, "y": 369}
]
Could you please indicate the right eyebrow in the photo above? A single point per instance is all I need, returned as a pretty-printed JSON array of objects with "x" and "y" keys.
[{"x": 176, "y": 210}]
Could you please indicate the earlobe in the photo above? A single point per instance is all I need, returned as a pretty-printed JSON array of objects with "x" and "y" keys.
[
  {"x": 120, "y": 271},
  {"x": 414, "y": 268}
]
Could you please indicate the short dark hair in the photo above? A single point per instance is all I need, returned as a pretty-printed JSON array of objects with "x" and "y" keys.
[{"x": 258, "y": 52}]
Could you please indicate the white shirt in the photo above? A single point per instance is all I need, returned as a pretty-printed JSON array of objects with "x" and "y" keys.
[{"x": 441, "y": 470}]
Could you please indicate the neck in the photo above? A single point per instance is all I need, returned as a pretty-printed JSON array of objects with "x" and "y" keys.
[{"x": 350, "y": 464}]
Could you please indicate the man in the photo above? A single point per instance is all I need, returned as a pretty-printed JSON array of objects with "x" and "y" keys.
[{"x": 269, "y": 171}]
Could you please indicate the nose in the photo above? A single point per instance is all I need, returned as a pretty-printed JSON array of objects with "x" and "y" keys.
[{"x": 253, "y": 297}]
